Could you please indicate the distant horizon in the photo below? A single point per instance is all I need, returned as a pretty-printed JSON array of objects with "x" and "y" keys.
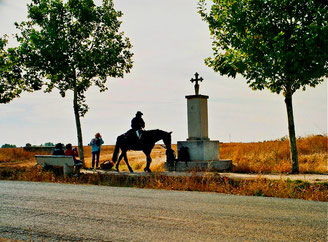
[
  {"x": 161, "y": 143},
  {"x": 170, "y": 43}
]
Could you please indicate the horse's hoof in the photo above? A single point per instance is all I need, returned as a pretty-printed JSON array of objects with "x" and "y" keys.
[
  {"x": 116, "y": 168},
  {"x": 131, "y": 171}
]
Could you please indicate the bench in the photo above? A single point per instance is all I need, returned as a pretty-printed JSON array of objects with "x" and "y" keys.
[{"x": 57, "y": 160}]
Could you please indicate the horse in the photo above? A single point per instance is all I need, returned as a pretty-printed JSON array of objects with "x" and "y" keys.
[{"x": 146, "y": 143}]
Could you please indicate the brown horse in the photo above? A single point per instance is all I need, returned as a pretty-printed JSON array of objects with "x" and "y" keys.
[{"x": 146, "y": 143}]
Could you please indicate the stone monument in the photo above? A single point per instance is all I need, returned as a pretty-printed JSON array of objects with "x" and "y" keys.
[{"x": 203, "y": 152}]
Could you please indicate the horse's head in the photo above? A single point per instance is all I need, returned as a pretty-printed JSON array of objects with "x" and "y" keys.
[
  {"x": 170, "y": 157},
  {"x": 170, "y": 154},
  {"x": 167, "y": 140}
]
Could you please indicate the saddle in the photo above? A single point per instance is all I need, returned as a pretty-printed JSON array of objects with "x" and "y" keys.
[{"x": 132, "y": 138}]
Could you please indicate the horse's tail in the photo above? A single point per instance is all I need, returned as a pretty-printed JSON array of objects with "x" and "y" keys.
[{"x": 116, "y": 150}]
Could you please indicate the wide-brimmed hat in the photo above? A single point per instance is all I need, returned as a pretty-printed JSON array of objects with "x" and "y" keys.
[{"x": 139, "y": 113}]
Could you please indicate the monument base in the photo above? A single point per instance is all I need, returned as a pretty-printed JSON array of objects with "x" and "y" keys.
[
  {"x": 200, "y": 150},
  {"x": 216, "y": 165},
  {"x": 203, "y": 155}
]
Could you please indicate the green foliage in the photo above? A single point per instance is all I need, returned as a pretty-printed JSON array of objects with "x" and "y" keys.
[
  {"x": 279, "y": 45},
  {"x": 8, "y": 146},
  {"x": 49, "y": 144},
  {"x": 71, "y": 45},
  {"x": 11, "y": 84}
]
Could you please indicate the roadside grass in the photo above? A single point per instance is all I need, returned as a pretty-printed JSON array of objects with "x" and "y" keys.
[{"x": 258, "y": 187}]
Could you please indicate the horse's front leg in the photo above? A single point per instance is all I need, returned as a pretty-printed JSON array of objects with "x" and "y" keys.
[
  {"x": 127, "y": 163},
  {"x": 147, "y": 168},
  {"x": 118, "y": 161}
]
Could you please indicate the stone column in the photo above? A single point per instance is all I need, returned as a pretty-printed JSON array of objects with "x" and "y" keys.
[
  {"x": 198, "y": 152},
  {"x": 197, "y": 117},
  {"x": 203, "y": 152}
]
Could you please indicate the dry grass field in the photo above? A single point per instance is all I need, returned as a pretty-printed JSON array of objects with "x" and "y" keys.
[
  {"x": 137, "y": 159},
  {"x": 260, "y": 157},
  {"x": 274, "y": 156}
]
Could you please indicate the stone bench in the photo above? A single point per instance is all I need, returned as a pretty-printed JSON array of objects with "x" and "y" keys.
[{"x": 67, "y": 162}]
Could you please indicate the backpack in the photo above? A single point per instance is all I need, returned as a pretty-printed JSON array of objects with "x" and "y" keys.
[
  {"x": 107, "y": 165},
  {"x": 184, "y": 154},
  {"x": 98, "y": 142}
]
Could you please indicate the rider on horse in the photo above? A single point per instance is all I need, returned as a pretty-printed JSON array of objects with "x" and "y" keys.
[{"x": 137, "y": 124}]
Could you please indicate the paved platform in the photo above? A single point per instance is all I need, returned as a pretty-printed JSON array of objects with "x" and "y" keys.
[{"x": 304, "y": 177}]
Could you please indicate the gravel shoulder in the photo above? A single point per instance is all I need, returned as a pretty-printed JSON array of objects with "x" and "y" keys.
[{"x": 303, "y": 177}]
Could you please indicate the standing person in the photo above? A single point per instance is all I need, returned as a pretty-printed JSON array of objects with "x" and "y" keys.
[
  {"x": 137, "y": 124},
  {"x": 96, "y": 146}
]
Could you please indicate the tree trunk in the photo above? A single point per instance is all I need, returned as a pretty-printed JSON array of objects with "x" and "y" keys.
[
  {"x": 78, "y": 125},
  {"x": 292, "y": 136}
]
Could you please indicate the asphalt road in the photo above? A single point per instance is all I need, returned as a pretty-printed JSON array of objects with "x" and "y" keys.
[{"x": 48, "y": 211}]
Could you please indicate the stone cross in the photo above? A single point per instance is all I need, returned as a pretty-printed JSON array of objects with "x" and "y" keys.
[{"x": 196, "y": 80}]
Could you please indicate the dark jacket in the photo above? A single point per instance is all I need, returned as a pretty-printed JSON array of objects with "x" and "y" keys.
[
  {"x": 137, "y": 123},
  {"x": 58, "y": 152}
]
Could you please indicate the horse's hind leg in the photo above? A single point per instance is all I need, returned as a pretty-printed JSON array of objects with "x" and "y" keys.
[
  {"x": 127, "y": 162},
  {"x": 118, "y": 162}
]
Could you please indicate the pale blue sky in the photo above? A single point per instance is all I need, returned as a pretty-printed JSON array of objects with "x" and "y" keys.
[{"x": 170, "y": 43}]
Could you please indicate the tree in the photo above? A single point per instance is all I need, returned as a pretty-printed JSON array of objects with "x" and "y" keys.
[
  {"x": 8, "y": 146},
  {"x": 278, "y": 45},
  {"x": 10, "y": 77},
  {"x": 49, "y": 144},
  {"x": 73, "y": 45},
  {"x": 12, "y": 83}
]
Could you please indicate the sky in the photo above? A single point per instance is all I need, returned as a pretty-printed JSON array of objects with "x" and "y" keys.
[{"x": 170, "y": 43}]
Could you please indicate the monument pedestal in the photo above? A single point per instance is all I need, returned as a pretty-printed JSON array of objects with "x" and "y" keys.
[
  {"x": 219, "y": 165},
  {"x": 201, "y": 150},
  {"x": 203, "y": 153},
  {"x": 203, "y": 156}
]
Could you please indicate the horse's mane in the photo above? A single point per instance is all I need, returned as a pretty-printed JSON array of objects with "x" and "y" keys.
[{"x": 155, "y": 131}]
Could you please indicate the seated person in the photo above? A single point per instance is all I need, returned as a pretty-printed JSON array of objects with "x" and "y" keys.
[
  {"x": 58, "y": 149},
  {"x": 72, "y": 152}
]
